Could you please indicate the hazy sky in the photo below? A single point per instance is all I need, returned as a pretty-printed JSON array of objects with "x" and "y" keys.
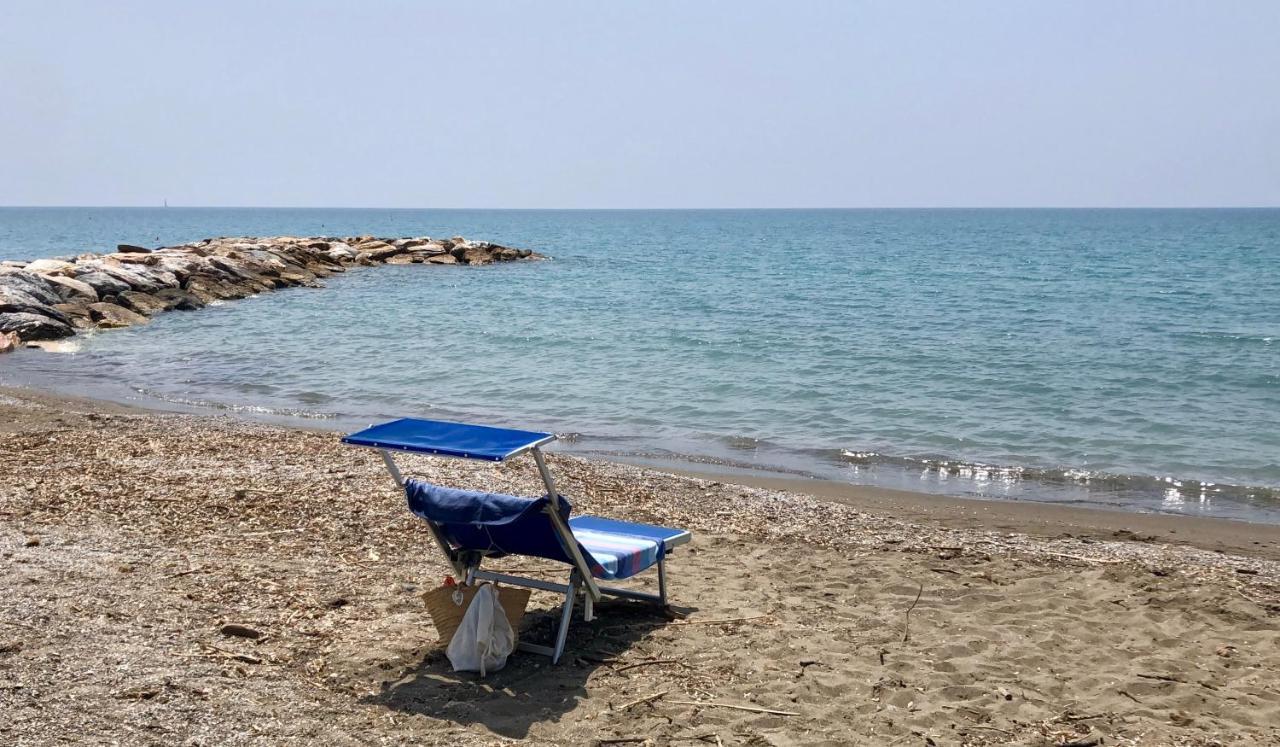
[{"x": 639, "y": 104}]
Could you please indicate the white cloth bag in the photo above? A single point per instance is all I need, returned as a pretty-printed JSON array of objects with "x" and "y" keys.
[{"x": 484, "y": 638}]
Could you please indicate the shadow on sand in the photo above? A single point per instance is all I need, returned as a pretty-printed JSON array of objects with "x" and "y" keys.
[{"x": 529, "y": 689}]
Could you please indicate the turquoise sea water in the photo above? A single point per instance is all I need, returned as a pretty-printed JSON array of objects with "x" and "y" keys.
[{"x": 1127, "y": 358}]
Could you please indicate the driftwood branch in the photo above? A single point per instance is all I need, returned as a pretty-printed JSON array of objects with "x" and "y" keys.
[
  {"x": 647, "y": 663},
  {"x": 752, "y": 709},
  {"x": 989, "y": 728},
  {"x": 645, "y": 699},
  {"x": 906, "y": 621},
  {"x": 1083, "y": 559},
  {"x": 716, "y": 622},
  {"x": 246, "y": 658},
  {"x": 687, "y": 622}
]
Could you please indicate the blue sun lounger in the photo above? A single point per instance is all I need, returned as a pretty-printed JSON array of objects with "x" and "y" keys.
[{"x": 469, "y": 526}]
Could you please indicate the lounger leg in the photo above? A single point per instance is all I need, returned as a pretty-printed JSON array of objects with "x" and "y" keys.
[
  {"x": 662, "y": 581},
  {"x": 588, "y": 608},
  {"x": 566, "y": 614}
]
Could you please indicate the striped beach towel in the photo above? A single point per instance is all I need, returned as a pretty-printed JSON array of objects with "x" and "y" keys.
[{"x": 613, "y": 555}]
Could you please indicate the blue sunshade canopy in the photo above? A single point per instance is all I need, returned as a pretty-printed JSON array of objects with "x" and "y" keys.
[{"x": 448, "y": 439}]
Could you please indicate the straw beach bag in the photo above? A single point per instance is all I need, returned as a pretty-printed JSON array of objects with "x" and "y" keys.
[{"x": 447, "y": 614}]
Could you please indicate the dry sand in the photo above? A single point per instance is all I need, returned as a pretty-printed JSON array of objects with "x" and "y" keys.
[{"x": 127, "y": 541}]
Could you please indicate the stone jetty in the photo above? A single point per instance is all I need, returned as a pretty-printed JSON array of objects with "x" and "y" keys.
[{"x": 47, "y": 299}]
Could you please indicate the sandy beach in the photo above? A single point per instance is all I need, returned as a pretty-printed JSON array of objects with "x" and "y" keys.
[{"x": 130, "y": 539}]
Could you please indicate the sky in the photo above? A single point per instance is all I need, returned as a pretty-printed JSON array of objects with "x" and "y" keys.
[{"x": 384, "y": 103}]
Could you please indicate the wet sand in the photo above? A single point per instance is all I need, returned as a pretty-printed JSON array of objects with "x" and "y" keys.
[{"x": 1038, "y": 519}]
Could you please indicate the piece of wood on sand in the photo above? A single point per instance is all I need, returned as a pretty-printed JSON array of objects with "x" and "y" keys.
[
  {"x": 645, "y": 699},
  {"x": 752, "y": 709}
]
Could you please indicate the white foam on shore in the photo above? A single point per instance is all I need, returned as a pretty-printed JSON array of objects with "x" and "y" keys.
[{"x": 69, "y": 345}]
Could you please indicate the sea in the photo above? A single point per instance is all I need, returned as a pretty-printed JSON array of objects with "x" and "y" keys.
[{"x": 1127, "y": 359}]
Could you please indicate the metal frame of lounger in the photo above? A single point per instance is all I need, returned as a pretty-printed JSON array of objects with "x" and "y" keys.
[{"x": 467, "y": 563}]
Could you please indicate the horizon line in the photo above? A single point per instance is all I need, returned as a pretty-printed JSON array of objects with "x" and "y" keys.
[{"x": 643, "y": 209}]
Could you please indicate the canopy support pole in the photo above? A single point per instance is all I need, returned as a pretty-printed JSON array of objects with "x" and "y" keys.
[
  {"x": 562, "y": 528},
  {"x": 454, "y": 560}
]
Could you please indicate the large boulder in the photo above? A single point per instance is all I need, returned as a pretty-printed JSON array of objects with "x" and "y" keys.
[
  {"x": 127, "y": 248},
  {"x": 300, "y": 277},
  {"x": 209, "y": 289},
  {"x": 109, "y": 315},
  {"x": 377, "y": 250},
  {"x": 265, "y": 263},
  {"x": 480, "y": 253},
  {"x": 135, "y": 259},
  {"x": 33, "y": 285},
  {"x": 34, "y": 326},
  {"x": 50, "y": 267},
  {"x": 442, "y": 259},
  {"x": 232, "y": 268},
  {"x": 317, "y": 269},
  {"x": 143, "y": 303},
  {"x": 137, "y": 277},
  {"x": 71, "y": 289},
  {"x": 430, "y": 248},
  {"x": 77, "y": 312},
  {"x": 17, "y": 301},
  {"x": 142, "y": 278},
  {"x": 102, "y": 283},
  {"x": 293, "y": 274},
  {"x": 236, "y": 272},
  {"x": 340, "y": 252},
  {"x": 179, "y": 299},
  {"x": 180, "y": 264}
]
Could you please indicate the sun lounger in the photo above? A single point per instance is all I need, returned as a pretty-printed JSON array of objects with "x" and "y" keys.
[{"x": 469, "y": 526}]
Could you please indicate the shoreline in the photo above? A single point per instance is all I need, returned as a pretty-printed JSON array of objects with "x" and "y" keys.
[
  {"x": 1034, "y": 518},
  {"x": 1026, "y": 517},
  {"x": 1138, "y": 494}
]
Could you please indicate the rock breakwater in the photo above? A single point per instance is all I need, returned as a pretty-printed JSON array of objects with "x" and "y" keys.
[{"x": 48, "y": 299}]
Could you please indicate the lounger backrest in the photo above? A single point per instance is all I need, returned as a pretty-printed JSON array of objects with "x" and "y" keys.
[{"x": 493, "y": 523}]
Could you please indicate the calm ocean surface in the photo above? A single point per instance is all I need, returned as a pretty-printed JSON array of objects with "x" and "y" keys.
[{"x": 1124, "y": 358}]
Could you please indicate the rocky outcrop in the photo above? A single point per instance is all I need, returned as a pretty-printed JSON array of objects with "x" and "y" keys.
[
  {"x": 78, "y": 313},
  {"x": 109, "y": 315},
  {"x": 30, "y": 326},
  {"x": 143, "y": 303},
  {"x": 51, "y": 298},
  {"x": 16, "y": 300},
  {"x": 71, "y": 289},
  {"x": 50, "y": 267},
  {"x": 102, "y": 284}
]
